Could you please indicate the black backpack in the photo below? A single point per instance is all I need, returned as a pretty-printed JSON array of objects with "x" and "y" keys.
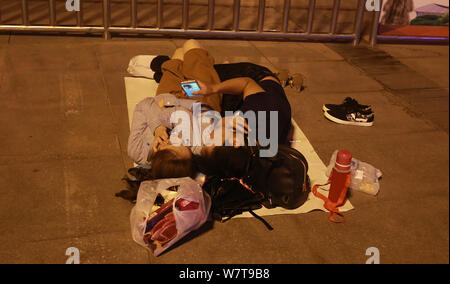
[
  {"x": 230, "y": 198},
  {"x": 244, "y": 182}
]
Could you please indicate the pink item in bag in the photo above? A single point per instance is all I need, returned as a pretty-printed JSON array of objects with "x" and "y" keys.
[{"x": 160, "y": 228}]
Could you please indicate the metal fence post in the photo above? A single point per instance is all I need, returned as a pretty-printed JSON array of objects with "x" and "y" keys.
[
  {"x": 335, "y": 17},
  {"x": 359, "y": 21},
  {"x": 236, "y": 14},
  {"x": 134, "y": 4},
  {"x": 52, "y": 12},
  {"x": 185, "y": 20},
  {"x": 80, "y": 15},
  {"x": 211, "y": 8},
  {"x": 261, "y": 15},
  {"x": 312, "y": 11},
  {"x": 375, "y": 26},
  {"x": 286, "y": 10},
  {"x": 160, "y": 16},
  {"x": 106, "y": 19},
  {"x": 25, "y": 20}
]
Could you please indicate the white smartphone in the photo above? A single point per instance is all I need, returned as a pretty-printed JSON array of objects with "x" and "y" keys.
[{"x": 189, "y": 87}]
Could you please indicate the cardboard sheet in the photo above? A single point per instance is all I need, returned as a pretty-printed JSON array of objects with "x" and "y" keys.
[{"x": 139, "y": 88}]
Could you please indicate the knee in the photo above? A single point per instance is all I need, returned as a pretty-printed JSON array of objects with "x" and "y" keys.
[
  {"x": 191, "y": 44},
  {"x": 179, "y": 54}
]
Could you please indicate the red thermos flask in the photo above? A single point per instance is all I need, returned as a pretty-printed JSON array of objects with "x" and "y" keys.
[{"x": 340, "y": 179}]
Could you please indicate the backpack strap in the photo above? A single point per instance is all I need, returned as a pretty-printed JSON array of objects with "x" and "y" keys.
[
  {"x": 270, "y": 228},
  {"x": 262, "y": 198}
]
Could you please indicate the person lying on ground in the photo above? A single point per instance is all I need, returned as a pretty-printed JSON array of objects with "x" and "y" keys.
[
  {"x": 226, "y": 71},
  {"x": 151, "y": 126},
  {"x": 151, "y": 119},
  {"x": 264, "y": 96},
  {"x": 190, "y": 62}
]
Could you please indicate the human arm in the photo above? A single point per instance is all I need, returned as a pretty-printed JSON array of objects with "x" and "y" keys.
[
  {"x": 161, "y": 138},
  {"x": 169, "y": 100},
  {"x": 238, "y": 86},
  {"x": 146, "y": 123}
]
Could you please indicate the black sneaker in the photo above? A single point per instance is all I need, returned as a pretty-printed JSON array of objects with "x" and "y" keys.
[
  {"x": 350, "y": 104},
  {"x": 341, "y": 116}
]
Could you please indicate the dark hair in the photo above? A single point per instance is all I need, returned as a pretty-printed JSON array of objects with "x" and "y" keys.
[
  {"x": 157, "y": 62},
  {"x": 165, "y": 164},
  {"x": 156, "y": 66},
  {"x": 224, "y": 162},
  {"x": 157, "y": 76},
  {"x": 168, "y": 164}
]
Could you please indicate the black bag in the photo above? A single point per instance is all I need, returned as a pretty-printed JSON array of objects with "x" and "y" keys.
[
  {"x": 283, "y": 179},
  {"x": 230, "y": 198},
  {"x": 241, "y": 181}
]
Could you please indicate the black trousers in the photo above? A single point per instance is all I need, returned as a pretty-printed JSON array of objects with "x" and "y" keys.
[
  {"x": 236, "y": 70},
  {"x": 243, "y": 69}
]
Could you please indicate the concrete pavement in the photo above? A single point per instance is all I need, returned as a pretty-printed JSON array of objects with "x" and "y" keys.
[{"x": 64, "y": 129}]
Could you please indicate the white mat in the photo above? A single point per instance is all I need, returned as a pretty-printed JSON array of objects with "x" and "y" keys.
[{"x": 139, "y": 88}]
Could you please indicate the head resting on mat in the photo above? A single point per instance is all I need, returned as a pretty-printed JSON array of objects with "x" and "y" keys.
[
  {"x": 167, "y": 162},
  {"x": 157, "y": 62},
  {"x": 172, "y": 162}
]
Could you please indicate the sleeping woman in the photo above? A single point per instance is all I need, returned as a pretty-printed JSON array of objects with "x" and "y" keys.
[{"x": 257, "y": 88}]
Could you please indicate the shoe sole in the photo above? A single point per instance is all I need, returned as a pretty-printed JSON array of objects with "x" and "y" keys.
[{"x": 345, "y": 122}]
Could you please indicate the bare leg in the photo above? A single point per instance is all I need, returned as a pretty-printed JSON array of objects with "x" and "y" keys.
[
  {"x": 191, "y": 44},
  {"x": 191, "y": 62},
  {"x": 179, "y": 54}
]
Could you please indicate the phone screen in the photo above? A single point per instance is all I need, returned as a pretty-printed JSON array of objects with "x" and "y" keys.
[{"x": 190, "y": 87}]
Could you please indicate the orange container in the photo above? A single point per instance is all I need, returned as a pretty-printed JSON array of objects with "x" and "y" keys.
[{"x": 339, "y": 178}]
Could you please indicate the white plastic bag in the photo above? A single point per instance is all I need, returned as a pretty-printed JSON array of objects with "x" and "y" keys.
[
  {"x": 139, "y": 66},
  {"x": 158, "y": 228},
  {"x": 364, "y": 176}
]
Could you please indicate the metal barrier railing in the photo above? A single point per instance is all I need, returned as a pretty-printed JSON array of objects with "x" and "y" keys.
[{"x": 107, "y": 29}]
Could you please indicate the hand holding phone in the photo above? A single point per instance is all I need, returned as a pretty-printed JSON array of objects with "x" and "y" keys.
[{"x": 189, "y": 87}]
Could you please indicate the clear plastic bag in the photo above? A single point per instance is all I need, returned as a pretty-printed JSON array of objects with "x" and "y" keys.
[
  {"x": 158, "y": 228},
  {"x": 365, "y": 177}
]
